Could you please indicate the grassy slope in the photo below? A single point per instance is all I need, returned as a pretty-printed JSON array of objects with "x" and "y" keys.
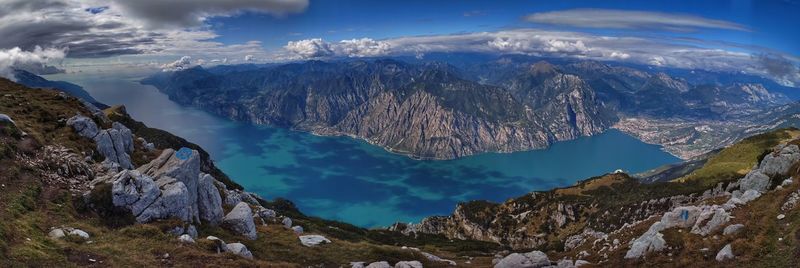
[{"x": 29, "y": 208}]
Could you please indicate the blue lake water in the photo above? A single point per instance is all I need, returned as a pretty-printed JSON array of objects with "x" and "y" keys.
[{"x": 349, "y": 180}]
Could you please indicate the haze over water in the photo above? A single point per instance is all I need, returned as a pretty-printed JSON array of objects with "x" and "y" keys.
[{"x": 346, "y": 179}]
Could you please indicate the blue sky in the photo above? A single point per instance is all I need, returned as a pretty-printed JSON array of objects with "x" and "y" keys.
[{"x": 773, "y": 24}]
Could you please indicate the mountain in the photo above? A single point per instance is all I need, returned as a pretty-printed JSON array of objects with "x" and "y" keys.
[
  {"x": 423, "y": 110},
  {"x": 35, "y": 81},
  {"x": 435, "y": 109}
]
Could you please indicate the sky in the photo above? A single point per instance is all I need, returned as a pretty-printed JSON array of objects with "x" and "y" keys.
[{"x": 755, "y": 37}]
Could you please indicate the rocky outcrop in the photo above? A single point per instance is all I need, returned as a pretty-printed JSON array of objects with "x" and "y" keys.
[
  {"x": 239, "y": 249},
  {"x": 650, "y": 241},
  {"x": 240, "y": 220},
  {"x": 726, "y": 253},
  {"x": 313, "y": 240},
  {"x": 134, "y": 191},
  {"x": 185, "y": 169},
  {"x": 209, "y": 203},
  {"x": 172, "y": 203},
  {"x": 115, "y": 144},
  {"x": 533, "y": 259},
  {"x": 779, "y": 162}
]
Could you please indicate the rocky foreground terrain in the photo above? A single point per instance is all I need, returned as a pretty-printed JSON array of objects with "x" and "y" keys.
[
  {"x": 89, "y": 187},
  {"x": 433, "y": 109}
]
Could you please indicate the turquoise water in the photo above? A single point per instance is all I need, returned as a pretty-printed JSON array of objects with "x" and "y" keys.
[{"x": 349, "y": 180}]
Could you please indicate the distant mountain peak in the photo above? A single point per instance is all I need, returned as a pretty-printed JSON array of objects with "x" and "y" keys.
[{"x": 543, "y": 68}]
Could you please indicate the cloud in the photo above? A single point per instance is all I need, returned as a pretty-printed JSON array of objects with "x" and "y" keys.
[
  {"x": 249, "y": 58},
  {"x": 183, "y": 63},
  {"x": 627, "y": 19},
  {"x": 780, "y": 67},
  {"x": 309, "y": 48},
  {"x": 188, "y": 13},
  {"x": 364, "y": 47},
  {"x": 36, "y": 60}
]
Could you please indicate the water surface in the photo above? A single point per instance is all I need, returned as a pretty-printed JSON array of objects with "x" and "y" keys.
[{"x": 349, "y": 180}]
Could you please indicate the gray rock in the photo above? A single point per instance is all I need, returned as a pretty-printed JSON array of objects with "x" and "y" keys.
[
  {"x": 711, "y": 219},
  {"x": 134, "y": 191},
  {"x": 177, "y": 231},
  {"x": 297, "y": 230},
  {"x": 650, "y": 241},
  {"x": 749, "y": 195},
  {"x": 733, "y": 229},
  {"x": 287, "y": 222},
  {"x": 565, "y": 264},
  {"x": 357, "y": 264},
  {"x": 186, "y": 239},
  {"x": 84, "y": 126},
  {"x": 240, "y": 220},
  {"x": 580, "y": 263},
  {"x": 408, "y": 264},
  {"x": 173, "y": 202},
  {"x": 754, "y": 180},
  {"x": 209, "y": 203},
  {"x": 126, "y": 134},
  {"x": 313, "y": 240},
  {"x": 266, "y": 214},
  {"x": 778, "y": 163},
  {"x": 379, "y": 264},
  {"x": 186, "y": 171},
  {"x": 56, "y": 233},
  {"x": 111, "y": 144},
  {"x": 191, "y": 231},
  {"x": 80, "y": 233},
  {"x": 726, "y": 253},
  {"x": 533, "y": 259},
  {"x": 681, "y": 217},
  {"x": 6, "y": 118},
  {"x": 239, "y": 249}
]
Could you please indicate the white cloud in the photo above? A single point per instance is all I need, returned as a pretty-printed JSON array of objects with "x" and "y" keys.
[
  {"x": 309, "y": 48},
  {"x": 15, "y": 58},
  {"x": 364, "y": 47},
  {"x": 627, "y": 19},
  {"x": 183, "y": 63},
  {"x": 249, "y": 58},
  {"x": 188, "y": 13}
]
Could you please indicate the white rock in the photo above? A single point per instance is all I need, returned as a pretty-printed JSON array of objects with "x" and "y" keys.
[
  {"x": 711, "y": 219},
  {"x": 379, "y": 264},
  {"x": 84, "y": 126},
  {"x": 313, "y": 240},
  {"x": 57, "y": 233},
  {"x": 184, "y": 168},
  {"x": 239, "y": 249},
  {"x": 781, "y": 216},
  {"x": 287, "y": 222},
  {"x": 532, "y": 259},
  {"x": 297, "y": 230},
  {"x": 754, "y": 180},
  {"x": 79, "y": 232},
  {"x": 733, "y": 229},
  {"x": 240, "y": 220},
  {"x": 408, "y": 264},
  {"x": 209, "y": 202},
  {"x": 650, "y": 241},
  {"x": 780, "y": 162},
  {"x": 357, "y": 264},
  {"x": 185, "y": 238},
  {"x": 221, "y": 246},
  {"x": 580, "y": 263},
  {"x": 725, "y": 254}
]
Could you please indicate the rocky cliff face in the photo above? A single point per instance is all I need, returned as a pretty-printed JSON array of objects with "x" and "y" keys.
[{"x": 426, "y": 111}]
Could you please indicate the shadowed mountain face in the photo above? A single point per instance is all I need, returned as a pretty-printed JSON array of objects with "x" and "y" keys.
[
  {"x": 35, "y": 81},
  {"x": 437, "y": 110}
]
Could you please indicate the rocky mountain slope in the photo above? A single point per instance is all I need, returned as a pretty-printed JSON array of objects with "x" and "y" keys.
[
  {"x": 87, "y": 189},
  {"x": 437, "y": 110},
  {"x": 718, "y": 214}
]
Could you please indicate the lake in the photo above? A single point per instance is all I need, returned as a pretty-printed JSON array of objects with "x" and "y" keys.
[{"x": 349, "y": 180}]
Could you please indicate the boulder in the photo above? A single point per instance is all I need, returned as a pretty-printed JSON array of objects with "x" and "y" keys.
[
  {"x": 80, "y": 233},
  {"x": 191, "y": 231},
  {"x": 681, "y": 217},
  {"x": 132, "y": 190},
  {"x": 173, "y": 202},
  {"x": 7, "y": 119},
  {"x": 297, "y": 230},
  {"x": 186, "y": 239},
  {"x": 313, "y": 240},
  {"x": 240, "y": 220},
  {"x": 265, "y": 214},
  {"x": 239, "y": 249},
  {"x": 779, "y": 162},
  {"x": 111, "y": 144},
  {"x": 126, "y": 135},
  {"x": 183, "y": 166},
  {"x": 533, "y": 259},
  {"x": 357, "y": 264},
  {"x": 408, "y": 264},
  {"x": 650, "y": 241},
  {"x": 221, "y": 246},
  {"x": 726, "y": 253},
  {"x": 733, "y": 229},
  {"x": 580, "y": 263},
  {"x": 749, "y": 195},
  {"x": 711, "y": 219},
  {"x": 84, "y": 126},
  {"x": 287, "y": 222},
  {"x": 56, "y": 233},
  {"x": 754, "y": 180},
  {"x": 379, "y": 264},
  {"x": 209, "y": 203},
  {"x": 565, "y": 263}
]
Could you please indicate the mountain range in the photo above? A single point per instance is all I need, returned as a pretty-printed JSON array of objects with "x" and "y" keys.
[{"x": 438, "y": 110}]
